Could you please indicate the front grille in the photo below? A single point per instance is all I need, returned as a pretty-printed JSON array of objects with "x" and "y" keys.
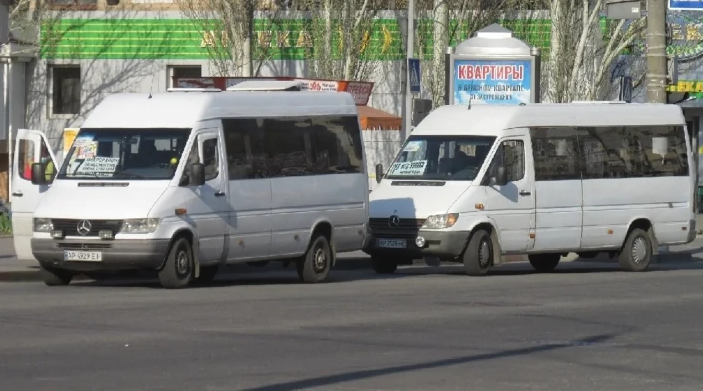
[
  {"x": 70, "y": 226},
  {"x": 84, "y": 246},
  {"x": 407, "y": 228}
]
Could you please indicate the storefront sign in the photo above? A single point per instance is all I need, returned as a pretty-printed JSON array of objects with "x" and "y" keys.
[
  {"x": 492, "y": 81},
  {"x": 686, "y": 86},
  {"x": 359, "y": 90}
]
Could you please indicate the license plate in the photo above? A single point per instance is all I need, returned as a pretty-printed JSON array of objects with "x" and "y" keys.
[
  {"x": 391, "y": 243},
  {"x": 84, "y": 256}
]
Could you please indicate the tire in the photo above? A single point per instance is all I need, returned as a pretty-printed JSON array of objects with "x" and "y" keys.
[
  {"x": 384, "y": 265},
  {"x": 207, "y": 274},
  {"x": 177, "y": 272},
  {"x": 636, "y": 252},
  {"x": 478, "y": 256},
  {"x": 55, "y": 277},
  {"x": 315, "y": 265},
  {"x": 544, "y": 263}
]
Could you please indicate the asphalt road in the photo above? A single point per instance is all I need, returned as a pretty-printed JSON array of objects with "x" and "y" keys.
[{"x": 586, "y": 327}]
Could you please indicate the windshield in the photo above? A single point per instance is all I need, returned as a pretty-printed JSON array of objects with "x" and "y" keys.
[
  {"x": 125, "y": 154},
  {"x": 446, "y": 158}
]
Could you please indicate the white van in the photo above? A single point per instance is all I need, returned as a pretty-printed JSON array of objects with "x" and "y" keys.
[
  {"x": 183, "y": 182},
  {"x": 474, "y": 183}
]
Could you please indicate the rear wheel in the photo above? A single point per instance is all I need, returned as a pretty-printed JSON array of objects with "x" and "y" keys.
[
  {"x": 544, "y": 263},
  {"x": 478, "y": 256},
  {"x": 636, "y": 252},
  {"x": 384, "y": 265},
  {"x": 315, "y": 265},
  {"x": 55, "y": 277}
]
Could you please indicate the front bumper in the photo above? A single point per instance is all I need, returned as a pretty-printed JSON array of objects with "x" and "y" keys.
[
  {"x": 440, "y": 244},
  {"x": 116, "y": 254}
]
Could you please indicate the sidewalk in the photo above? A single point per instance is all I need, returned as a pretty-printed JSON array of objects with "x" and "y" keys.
[{"x": 12, "y": 269}]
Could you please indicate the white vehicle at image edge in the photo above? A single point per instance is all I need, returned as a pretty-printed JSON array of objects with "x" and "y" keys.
[
  {"x": 185, "y": 181},
  {"x": 472, "y": 184}
]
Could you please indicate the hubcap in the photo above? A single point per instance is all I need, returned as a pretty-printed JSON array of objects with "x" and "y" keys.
[
  {"x": 484, "y": 253},
  {"x": 319, "y": 260},
  {"x": 182, "y": 263},
  {"x": 639, "y": 249}
]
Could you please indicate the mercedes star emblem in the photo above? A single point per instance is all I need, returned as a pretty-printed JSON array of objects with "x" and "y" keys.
[
  {"x": 84, "y": 227},
  {"x": 394, "y": 221}
]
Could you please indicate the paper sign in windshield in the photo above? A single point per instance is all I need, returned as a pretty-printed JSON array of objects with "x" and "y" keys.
[
  {"x": 413, "y": 146},
  {"x": 99, "y": 165},
  {"x": 416, "y": 167}
]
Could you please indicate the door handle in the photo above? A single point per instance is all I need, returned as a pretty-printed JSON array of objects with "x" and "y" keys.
[
  {"x": 525, "y": 193},
  {"x": 219, "y": 194},
  {"x": 18, "y": 194}
]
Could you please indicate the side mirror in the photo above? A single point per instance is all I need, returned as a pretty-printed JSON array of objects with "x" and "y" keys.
[
  {"x": 197, "y": 174},
  {"x": 38, "y": 175},
  {"x": 501, "y": 176},
  {"x": 379, "y": 173}
]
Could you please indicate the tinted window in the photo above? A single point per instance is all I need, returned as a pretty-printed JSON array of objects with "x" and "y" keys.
[
  {"x": 211, "y": 161},
  {"x": 633, "y": 152},
  {"x": 246, "y": 156},
  {"x": 555, "y": 154},
  {"x": 511, "y": 155},
  {"x": 276, "y": 147}
]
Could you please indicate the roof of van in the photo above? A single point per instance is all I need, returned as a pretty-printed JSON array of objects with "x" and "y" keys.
[
  {"x": 491, "y": 119},
  {"x": 183, "y": 109}
]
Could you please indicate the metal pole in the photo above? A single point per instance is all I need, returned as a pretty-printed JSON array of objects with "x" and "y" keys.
[
  {"x": 6, "y": 124},
  {"x": 448, "y": 74},
  {"x": 407, "y": 119},
  {"x": 656, "y": 51}
]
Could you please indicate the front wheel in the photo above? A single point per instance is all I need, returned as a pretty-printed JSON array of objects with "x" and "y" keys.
[
  {"x": 478, "y": 256},
  {"x": 544, "y": 263},
  {"x": 55, "y": 277},
  {"x": 178, "y": 271},
  {"x": 315, "y": 265},
  {"x": 636, "y": 252}
]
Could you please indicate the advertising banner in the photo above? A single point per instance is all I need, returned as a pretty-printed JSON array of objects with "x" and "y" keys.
[{"x": 495, "y": 81}]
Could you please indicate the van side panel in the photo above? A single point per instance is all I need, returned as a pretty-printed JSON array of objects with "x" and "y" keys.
[
  {"x": 299, "y": 203},
  {"x": 558, "y": 220},
  {"x": 612, "y": 204}
]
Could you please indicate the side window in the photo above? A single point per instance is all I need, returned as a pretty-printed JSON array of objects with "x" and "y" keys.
[
  {"x": 26, "y": 159},
  {"x": 244, "y": 142},
  {"x": 634, "y": 151},
  {"x": 193, "y": 157},
  {"x": 211, "y": 159},
  {"x": 555, "y": 154},
  {"x": 288, "y": 147},
  {"x": 337, "y": 145},
  {"x": 511, "y": 155}
]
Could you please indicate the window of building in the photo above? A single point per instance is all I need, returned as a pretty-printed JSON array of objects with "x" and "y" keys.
[
  {"x": 275, "y": 147},
  {"x": 633, "y": 151},
  {"x": 186, "y": 71},
  {"x": 511, "y": 155},
  {"x": 85, "y": 5},
  {"x": 555, "y": 154},
  {"x": 66, "y": 89}
]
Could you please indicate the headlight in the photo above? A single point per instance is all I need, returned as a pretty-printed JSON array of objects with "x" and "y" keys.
[
  {"x": 139, "y": 226},
  {"x": 43, "y": 225},
  {"x": 441, "y": 221}
]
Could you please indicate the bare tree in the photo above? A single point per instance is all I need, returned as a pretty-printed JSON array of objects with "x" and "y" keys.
[
  {"x": 228, "y": 27},
  {"x": 584, "y": 50},
  {"x": 338, "y": 36}
]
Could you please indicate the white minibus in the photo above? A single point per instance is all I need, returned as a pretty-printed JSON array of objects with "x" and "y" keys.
[
  {"x": 472, "y": 184},
  {"x": 185, "y": 181}
]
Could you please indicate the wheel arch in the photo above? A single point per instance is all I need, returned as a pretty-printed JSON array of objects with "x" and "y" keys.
[
  {"x": 324, "y": 226},
  {"x": 488, "y": 225},
  {"x": 646, "y": 225},
  {"x": 191, "y": 237}
]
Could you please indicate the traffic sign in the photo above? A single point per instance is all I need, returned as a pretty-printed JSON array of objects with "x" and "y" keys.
[
  {"x": 687, "y": 5},
  {"x": 414, "y": 75}
]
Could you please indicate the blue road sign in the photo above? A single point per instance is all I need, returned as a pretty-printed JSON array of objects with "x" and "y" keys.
[
  {"x": 414, "y": 75},
  {"x": 688, "y": 5}
]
